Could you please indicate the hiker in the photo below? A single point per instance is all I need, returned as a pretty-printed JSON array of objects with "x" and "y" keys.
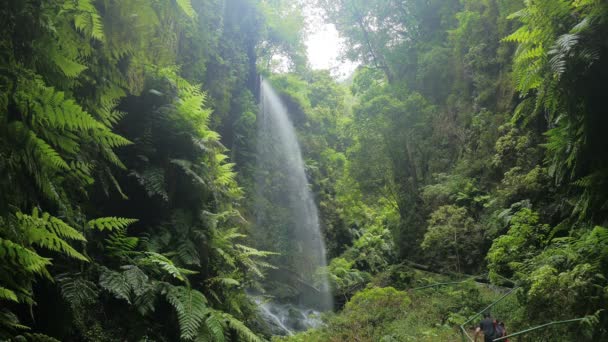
[
  {"x": 501, "y": 331},
  {"x": 487, "y": 326}
]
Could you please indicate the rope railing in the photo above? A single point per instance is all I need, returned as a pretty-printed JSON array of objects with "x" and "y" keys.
[
  {"x": 539, "y": 327},
  {"x": 462, "y": 326},
  {"x": 466, "y": 336},
  {"x": 463, "y": 330},
  {"x": 440, "y": 284}
]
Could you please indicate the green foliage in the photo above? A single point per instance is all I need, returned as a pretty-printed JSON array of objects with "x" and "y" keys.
[
  {"x": 77, "y": 291},
  {"x": 111, "y": 223},
  {"x": 451, "y": 239},
  {"x": 74, "y": 79},
  {"x": 344, "y": 279},
  {"x": 191, "y": 309},
  {"x": 525, "y": 238}
]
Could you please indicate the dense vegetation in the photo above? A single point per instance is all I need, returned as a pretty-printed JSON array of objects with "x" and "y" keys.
[{"x": 469, "y": 142}]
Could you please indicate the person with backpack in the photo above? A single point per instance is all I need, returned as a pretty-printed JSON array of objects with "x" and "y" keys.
[
  {"x": 487, "y": 325},
  {"x": 500, "y": 330}
]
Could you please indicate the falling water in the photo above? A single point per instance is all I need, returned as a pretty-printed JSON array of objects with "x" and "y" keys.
[{"x": 286, "y": 216}]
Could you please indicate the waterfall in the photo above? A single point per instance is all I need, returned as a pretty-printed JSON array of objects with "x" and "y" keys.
[{"x": 287, "y": 219}]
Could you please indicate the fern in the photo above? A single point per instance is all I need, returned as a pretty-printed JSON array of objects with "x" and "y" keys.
[
  {"x": 186, "y": 6},
  {"x": 6, "y": 294},
  {"x": 136, "y": 279},
  {"x": 78, "y": 292},
  {"x": 26, "y": 260},
  {"x": 120, "y": 245},
  {"x": 213, "y": 325},
  {"x": 145, "y": 302},
  {"x": 48, "y": 232},
  {"x": 36, "y": 337},
  {"x": 153, "y": 180},
  {"x": 54, "y": 129},
  {"x": 86, "y": 18},
  {"x": 131, "y": 285},
  {"x": 241, "y": 329},
  {"x": 9, "y": 321},
  {"x": 111, "y": 223},
  {"x": 191, "y": 308},
  {"x": 116, "y": 283},
  {"x": 166, "y": 265},
  {"x": 44, "y": 152},
  {"x": 67, "y": 66},
  {"x": 188, "y": 168},
  {"x": 188, "y": 253},
  {"x": 225, "y": 281}
]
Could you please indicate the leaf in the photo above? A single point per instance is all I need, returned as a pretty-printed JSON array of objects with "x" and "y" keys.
[
  {"x": 6, "y": 294},
  {"x": 110, "y": 223},
  {"x": 191, "y": 307},
  {"x": 186, "y": 6},
  {"x": 116, "y": 283}
]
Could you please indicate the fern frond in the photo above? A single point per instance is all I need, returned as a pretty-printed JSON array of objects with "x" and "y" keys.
[
  {"x": 109, "y": 139},
  {"x": 67, "y": 66},
  {"x": 136, "y": 278},
  {"x": 247, "y": 251},
  {"x": 191, "y": 308},
  {"x": 78, "y": 292},
  {"x": 241, "y": 329},
  {"x": 37, "y": 337},
  {"x": 115, "y": 283},
  {"x": 60, "y": 228},
  {"x": 225, "y": 281},
  {"x": 26, "y": 259},
  {"x": 86, "y": 18},
  {"x": 120, "y": 245},
  {"x": 213, "y": 324},
  {"x": 44, "y": 153},
  {"x": 166, "y": 265},
  {"x": 48, "y": 232},
  {"x": 153, "y": 180},
  {"x": 186, "y": 6},
  {"x": 6, "y": 294},
  {"x": 188, "y": 169},
  {"x": 145, "y": 302},
  {"x": 9, "y": 320},
  {"x": 188, "y": 253},
  {"x": 111, "y": 223}
]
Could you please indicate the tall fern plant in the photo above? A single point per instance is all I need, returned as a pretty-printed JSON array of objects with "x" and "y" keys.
[{"x": 558, "y": 70}]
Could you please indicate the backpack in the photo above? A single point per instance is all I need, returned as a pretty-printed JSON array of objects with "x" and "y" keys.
[{"x": 499, "y": 330}]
